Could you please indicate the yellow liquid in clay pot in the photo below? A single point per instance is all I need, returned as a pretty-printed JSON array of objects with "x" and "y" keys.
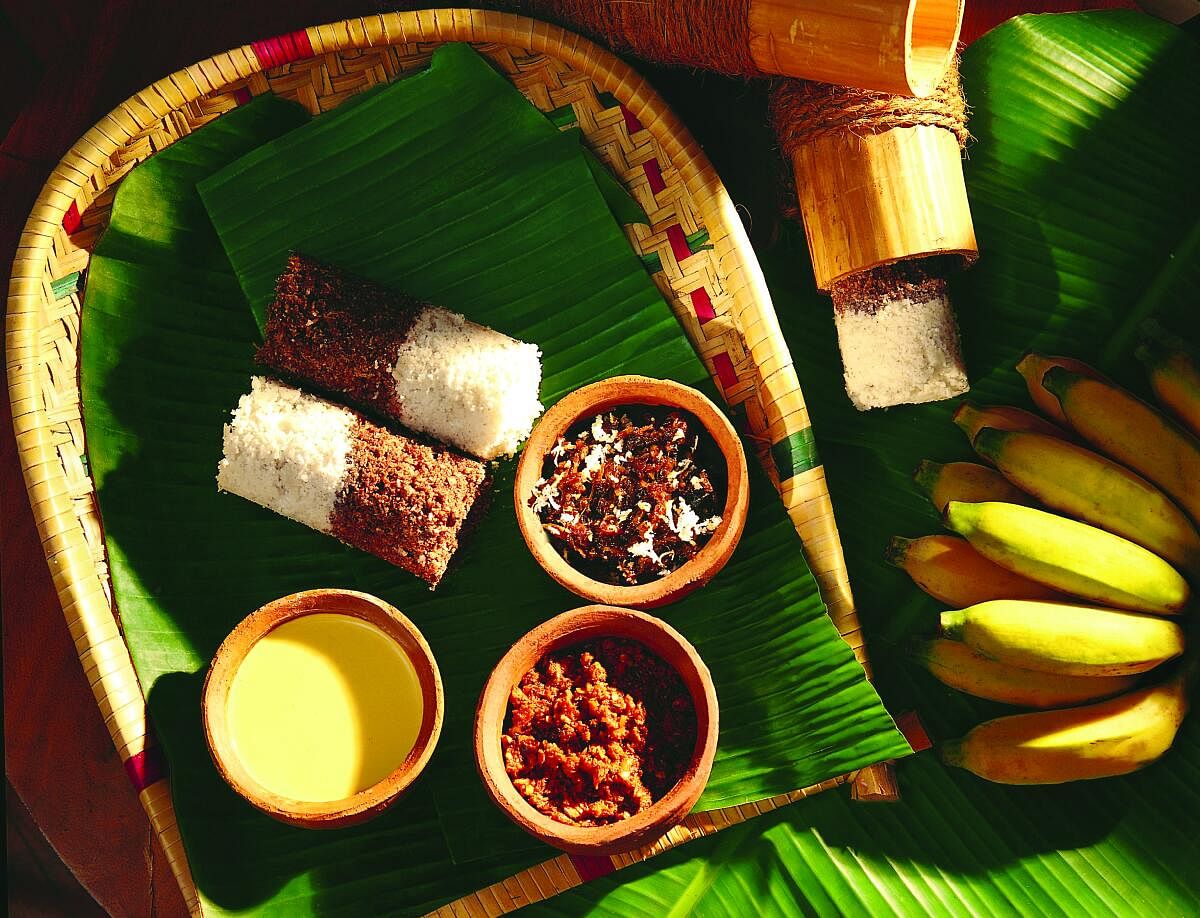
[{"x": 322, "y": 707}]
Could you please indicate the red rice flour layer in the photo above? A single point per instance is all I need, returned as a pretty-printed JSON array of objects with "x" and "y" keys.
[
  {"x": 334, "y": 470},
  {"x": 430, "y": 369}
]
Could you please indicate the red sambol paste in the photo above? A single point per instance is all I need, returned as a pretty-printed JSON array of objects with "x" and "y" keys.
[{"x": 597, "y": 732}]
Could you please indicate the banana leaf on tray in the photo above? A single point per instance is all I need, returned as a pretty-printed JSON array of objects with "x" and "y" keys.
[
  {"x": 404, "y": 186},
  {"x": 1083, "y": 186}
]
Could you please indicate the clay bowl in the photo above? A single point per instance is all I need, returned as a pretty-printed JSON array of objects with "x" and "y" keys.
[
  {"x": 586, "y": 403},
  {"x": 574, "y": 627},
  {"x": 367, "y": 802}
]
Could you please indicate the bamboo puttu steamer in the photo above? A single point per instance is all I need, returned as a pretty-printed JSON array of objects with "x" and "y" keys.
[{"x": 867, "y": 107}]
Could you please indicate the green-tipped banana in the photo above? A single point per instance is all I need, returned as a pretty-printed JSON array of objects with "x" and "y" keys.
[
  {"x": 951, "y": 571},
  {"x": 971, "y": 417},
  {"x": 1113, "y": 737},
  {"x": 958, "y": 666},
  {"x": 1034, "y": 366},
  {"x": 1130, "y": 431},
  {"x": 1070, "y": 556},
  {"x": 1067, "y": 639},
  {"x": 1175, "y": 379},
  {"x": 1089, "y": 487},
  {"x": 965, "y": 481}
]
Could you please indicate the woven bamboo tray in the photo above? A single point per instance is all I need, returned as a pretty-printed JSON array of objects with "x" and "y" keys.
[{"x": 695, "y": 247}]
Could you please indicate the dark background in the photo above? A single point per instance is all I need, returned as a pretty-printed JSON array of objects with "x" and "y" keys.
[{"x": 75, "y": 829}]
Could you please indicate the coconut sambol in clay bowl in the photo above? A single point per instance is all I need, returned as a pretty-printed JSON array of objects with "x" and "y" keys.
[
  {"x": 596, "y": 732},
  {"x": 632, "y": 491}
]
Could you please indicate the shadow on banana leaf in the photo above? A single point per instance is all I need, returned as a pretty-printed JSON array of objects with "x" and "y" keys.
[{"x": 828, "y": 855}]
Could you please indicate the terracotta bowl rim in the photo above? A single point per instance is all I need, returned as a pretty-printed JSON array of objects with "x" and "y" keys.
[
  {"x": 369, "y": 801},
  {"x": 573, "y": 626},
  {"x": 636, "y": 390}
]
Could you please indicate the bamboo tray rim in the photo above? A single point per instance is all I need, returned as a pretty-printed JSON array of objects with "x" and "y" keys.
[{"x": 81, "y": 580}]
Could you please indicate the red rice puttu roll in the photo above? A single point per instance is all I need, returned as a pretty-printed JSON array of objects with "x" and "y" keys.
[
  {"x": 330, "y": 468},
  {"x": 434, "y": 371}
]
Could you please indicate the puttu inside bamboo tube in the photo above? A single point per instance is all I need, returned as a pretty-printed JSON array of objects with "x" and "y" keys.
[
  {"x": 880, "y": 185},
  {"x": 895, "y": 46}
]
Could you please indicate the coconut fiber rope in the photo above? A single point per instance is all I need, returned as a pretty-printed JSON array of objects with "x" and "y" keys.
[
  {"x": 714, "y": 34},
  {"x": 802, "y": 111}
]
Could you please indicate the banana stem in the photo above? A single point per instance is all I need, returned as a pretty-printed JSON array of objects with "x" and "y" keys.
[
  {"x": 1159, "y": 343},
  {"x": 952, "y": 624},
  {"x": 926, "y": 475},
  {"x": 897, "y": 550},
  {"x": 1152, "y": 354},
  {"x": 1058, "y": 380},
  {"x": 964, "y": 416},
  {"x": 951, "y": 752},
  {"x": 989, "y": 442}
]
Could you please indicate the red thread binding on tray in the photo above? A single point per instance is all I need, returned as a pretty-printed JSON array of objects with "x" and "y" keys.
[
  {"x": 71, "y": 219},
  {"x": 725, "y": 371},
  {"x": 146, "y": 767},
  {"x": 910, "y": 725},
  {"x": 654, "y": 175},
  {"x": 703, "y": 306},
  {"x": 591, "y": 867},
  {"x": 632, "y": 125},
  {"x": 679, "y": 243},
  {"x": 242, "y": 95},
  {"x": 282, "y": 49}
]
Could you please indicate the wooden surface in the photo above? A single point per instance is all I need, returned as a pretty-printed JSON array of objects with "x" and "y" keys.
[{"x": 65, "y": 63}]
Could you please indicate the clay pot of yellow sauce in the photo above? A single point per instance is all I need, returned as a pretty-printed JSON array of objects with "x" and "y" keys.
[{"x": 322, "y": 707}]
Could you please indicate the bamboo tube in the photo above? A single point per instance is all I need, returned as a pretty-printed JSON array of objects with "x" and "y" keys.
[
  {"x": 880, "y": 186},
  {"x": 875, "y": 199},
  {"x": 896, "y": 46}
]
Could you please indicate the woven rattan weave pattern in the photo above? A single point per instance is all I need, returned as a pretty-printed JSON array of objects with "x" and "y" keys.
[{"x": 694, "y": 244}]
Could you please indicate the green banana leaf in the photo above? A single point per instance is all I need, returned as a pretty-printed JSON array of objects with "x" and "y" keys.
[
  {"x": 167, "y": 345},
  {"x": 1083, "y": 186}
]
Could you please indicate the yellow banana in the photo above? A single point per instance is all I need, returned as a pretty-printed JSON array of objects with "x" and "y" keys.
[
  {"x": 1070, "y": 556},
  {"x": 1089, "y": 487},
  {"x": 1034, "y": 366},
  {"x": 958, "y": 666},
  {"x": 965, "y": 481},
  {"x": 1175, "y": 379},
  {"x": 1133, "y": 433},
  {"x": 971, "y": 417},
  {"x": 1067, "y": 639},
  {"x": 1100, "y": 740},
  {"x": 951, "y": 571}
]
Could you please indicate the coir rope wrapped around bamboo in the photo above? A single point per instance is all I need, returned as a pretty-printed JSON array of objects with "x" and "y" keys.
[
  {"x": 899, "y": 46},
  {"x": 880, "y": 185}
]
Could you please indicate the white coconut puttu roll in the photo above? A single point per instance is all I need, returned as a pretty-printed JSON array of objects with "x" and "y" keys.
[{"x": 432, "y": 370}]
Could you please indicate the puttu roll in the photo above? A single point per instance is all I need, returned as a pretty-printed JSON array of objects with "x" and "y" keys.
[
  {"x": 335, "y": 471},
  {"x": 430, "y": 369}
]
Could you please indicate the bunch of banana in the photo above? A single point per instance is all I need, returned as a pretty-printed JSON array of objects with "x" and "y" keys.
[{"x": 1072, "y": 562}]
